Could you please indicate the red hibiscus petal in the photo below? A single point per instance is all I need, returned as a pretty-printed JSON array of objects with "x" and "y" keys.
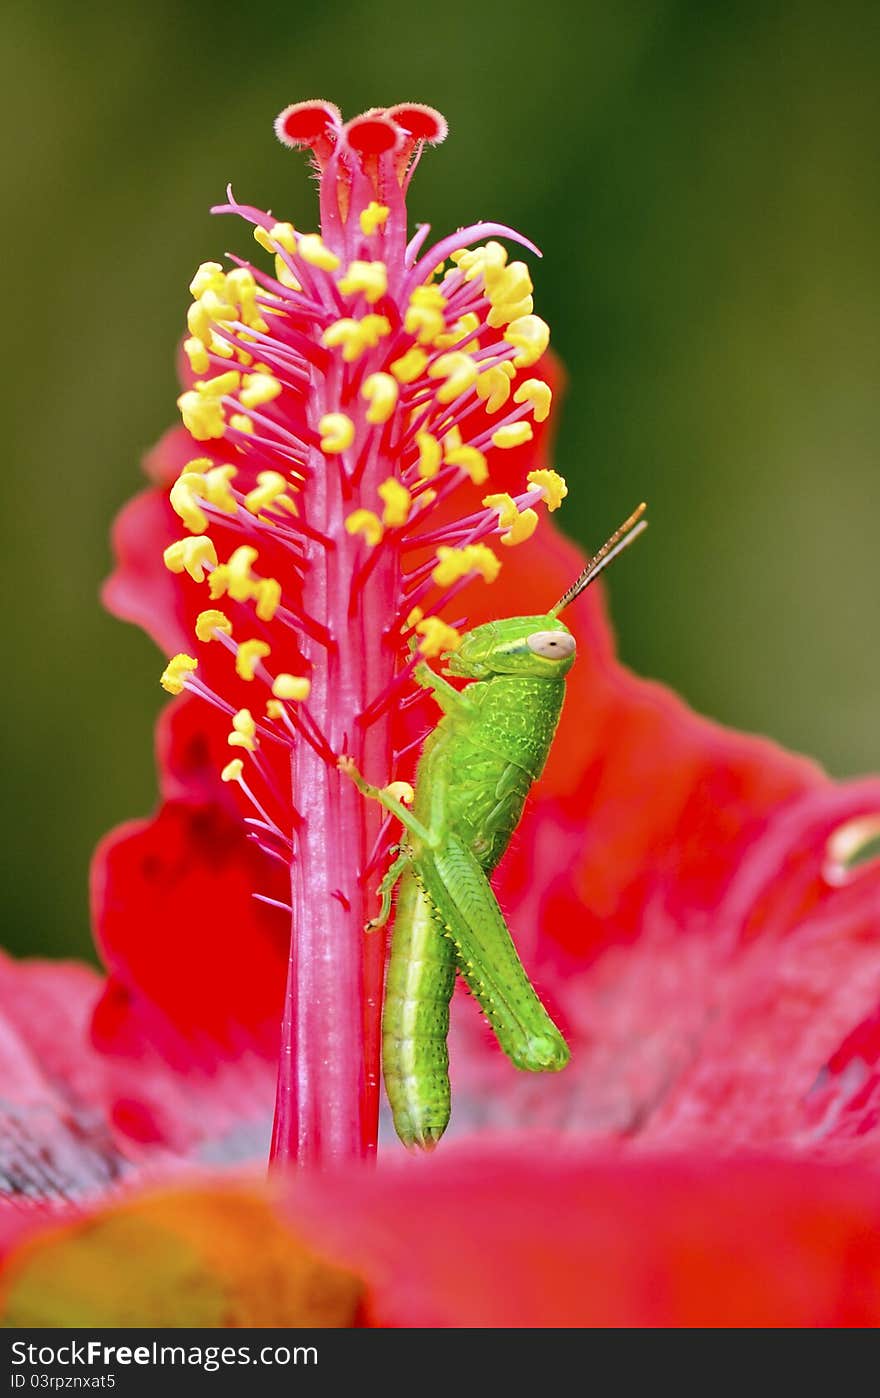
[
  {"x": 165, "y": 461},
  {"x": 54, "y": 1139},
  {"x": 699, "y": 1033},
  {"x": 529, "y": 1234},
  {"x": 190, "y": 1016},
  {"x": 141, "y": 589}
]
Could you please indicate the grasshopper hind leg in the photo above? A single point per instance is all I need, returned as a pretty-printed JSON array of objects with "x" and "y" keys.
[{"x": 487, "y": 959}]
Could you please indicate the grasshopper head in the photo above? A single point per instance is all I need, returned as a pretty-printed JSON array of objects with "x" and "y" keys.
[{"x": 540, "y": 646}]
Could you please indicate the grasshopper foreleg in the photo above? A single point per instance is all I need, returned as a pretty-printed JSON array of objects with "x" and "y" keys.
[
  {"x": 447, "y": 696},
  {"x": 385, "y": 798}
]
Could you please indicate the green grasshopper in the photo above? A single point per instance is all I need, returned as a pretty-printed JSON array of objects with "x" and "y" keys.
[{"x": 473, "y": 777}]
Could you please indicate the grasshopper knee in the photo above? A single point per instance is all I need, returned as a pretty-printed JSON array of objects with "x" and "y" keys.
[{"x": 541, "y": 1053}]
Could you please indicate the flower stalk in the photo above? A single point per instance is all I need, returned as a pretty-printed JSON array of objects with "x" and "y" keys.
[{"x": 346, "y": 406}]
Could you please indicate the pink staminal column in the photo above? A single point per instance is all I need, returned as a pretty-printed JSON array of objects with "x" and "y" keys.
[{"x": 342, "y": 401}]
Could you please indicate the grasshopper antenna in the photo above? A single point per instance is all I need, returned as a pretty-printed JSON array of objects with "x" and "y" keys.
[{"x": 620, "y": 539}]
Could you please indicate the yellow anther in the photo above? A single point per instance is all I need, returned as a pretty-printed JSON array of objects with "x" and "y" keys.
[
  {"x": 197, "y": 355},
  {"x": 220, "y": 385},
  {"x": 470, "y": 459},
  {"x": 248, "y": 657},
  {"x": 337, "y": 433},
  {"x": 365, "y": 522},
  {"x": 380, "y": 391},
  {"x": 209, "y": 277},
  {"x": 373, "y": 216},
  {"x": 401, "y": 791},
  {"x": 437, "y": 636},
  {"x": 240, "y": 580},
  {"x": 216, "y": 307},
  {"x": 244, "y": 731},
  {"x": 207, "y": 623},
  {"x": 274, "y": 708},
  {"x": 216, "y": 487},
  {"x": 184, "y": 503},
  {"x": 345, "y": 332},
  {"x": 286, "y": 686},
  {"x": 284, "y": 235},
  {"x": 232, "y": 771},
  {"x": 531, "y": 336},
  {"x": 507, "y": 367},
  {"x": 451, "y": 440},
  {"x": 510, "y": 283},
  {"x": 493, "y": 386},
  {"x": 191, "y": 555},
  {"x": 218, "y": 582},
  {"x": 519, "y": 524},
  {"x": 356, "y": 336},
  {"x": 314, "y": 250},
  {"x": 513, "y": 435},
  {"x": 198, "y": 466},
  {"x": 553, "y": 486},
  {"x": 371, "y": 278},
  {"x": 415, "y": 616},
  {"x": 430, "y": 455},
  {"x": 176, "y": 671},
  {"x": 455, "y": 563},
  {"x": 259, "y": 389},
  {"x": 410, "y": 366},
  {"x": 465, "y": 325},
  {"x": 199, "y": 323},
  {"x": 429, "y": 297},
  {"x": 269, "y": 490},
  {"x": 459, "y": 371},
  {"x": 268, "y": 594},
  {"x": 506, "y": 507},
  {"x": 225, "y": 350},
  {"x": 235, "y": 576},
  {"x": 202, "y": 417},
  {"x": 424, "y": 498},
  {"x": 284, "y": 275},
  {"x": 280, "y": 235},
  {"x": 397, "y": 501},
  {"x": 539, "y": 394},
  {"x": 241, "y": 422},
  {"x": 510, "y": 292},
  {"x": 475, "y": 262},
  {"x": 426, "y": 324},
  {"x": 242, "y": 289},
  {"x": 374, "y": 328},
  {"x": 424, "y": 317},
  {"x": 506, "y": 311}
]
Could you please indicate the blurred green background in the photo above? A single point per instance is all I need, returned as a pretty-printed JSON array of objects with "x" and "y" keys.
[{"x": 703, "y": 181}]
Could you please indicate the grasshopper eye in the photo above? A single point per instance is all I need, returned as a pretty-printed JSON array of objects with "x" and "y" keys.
[{"x": 553, "y": 645}]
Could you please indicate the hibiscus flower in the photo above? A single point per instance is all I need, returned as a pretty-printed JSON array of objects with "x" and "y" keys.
[{"x": 688, "y": 900}]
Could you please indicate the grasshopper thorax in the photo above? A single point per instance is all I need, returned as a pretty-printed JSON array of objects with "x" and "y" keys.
[{"x": 539, "y": 646}]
